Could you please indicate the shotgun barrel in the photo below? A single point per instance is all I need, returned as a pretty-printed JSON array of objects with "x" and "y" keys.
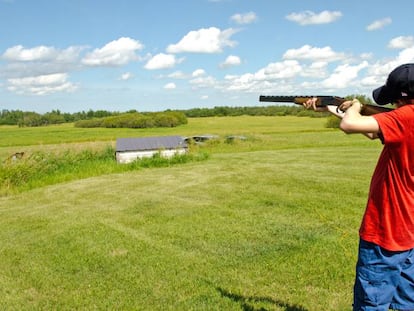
[{"x": 323, "y": 101}]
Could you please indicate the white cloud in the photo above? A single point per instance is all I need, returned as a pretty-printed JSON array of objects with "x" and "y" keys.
[
  {"x": 230, "y": 61},
  {"x": 23, "y": 62},
  {"x": 115, "y": 53},
  {"x": 246, "y": 18},
  {"x": 379, "y": 24},
  {"x": 343, "y": 75},
  {"x": 126, "y": 76},
  {"x": 308, "y": 52},
  {"x": 41, "y": 54},
  {"x": 205, "y": 40},
  {"x": 41, "y": 85},
  {"x": 366, "y": 55},
  {"x": 371, "y": 82},
  {"x": 311, "y": 18},
  {"x": 401, "y": 42},
  {"x": 406, "y": 56},
  {"x": 203, "y": 82},
  {"x": 170, "y": 86},
  {"x": 161, "y": 61},
  {"x": 379, "y": 71},
  {"x": 177, "y": 75},
  {"x": 280, "y": 70},
  {"x": 39, "y": 70},
  {"x": 383, "y": 68},
  {"x": 198, "y": 73},
  {"x": 317, "y": 69},
  {"x": 274, "y": 75}
]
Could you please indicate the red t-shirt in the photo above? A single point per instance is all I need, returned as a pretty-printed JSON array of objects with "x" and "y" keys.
[{"x": 389, "y": 216}]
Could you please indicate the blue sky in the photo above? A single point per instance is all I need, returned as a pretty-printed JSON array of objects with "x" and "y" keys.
[{"x": 76, "y": 55}]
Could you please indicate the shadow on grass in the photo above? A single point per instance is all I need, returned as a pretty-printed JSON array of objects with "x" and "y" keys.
[{"x": 247, "y": 303}]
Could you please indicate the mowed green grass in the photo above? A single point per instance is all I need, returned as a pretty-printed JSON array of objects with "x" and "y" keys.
[{"x": 270, "y": 223}]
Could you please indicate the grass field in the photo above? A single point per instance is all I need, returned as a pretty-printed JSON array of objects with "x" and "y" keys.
[{"x": 269, "y": 223}]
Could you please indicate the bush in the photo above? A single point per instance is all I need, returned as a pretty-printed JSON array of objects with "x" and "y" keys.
[
  {"x": 89, "y": 123},
  {"x": 137, "y": 120},
  {"x": 332, "y": 122}
]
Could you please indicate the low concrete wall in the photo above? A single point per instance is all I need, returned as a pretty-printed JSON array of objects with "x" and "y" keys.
[{"x": 130, "y": 156}]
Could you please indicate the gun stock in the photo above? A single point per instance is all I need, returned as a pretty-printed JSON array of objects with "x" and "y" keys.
[{"x": 323, "y": 101}]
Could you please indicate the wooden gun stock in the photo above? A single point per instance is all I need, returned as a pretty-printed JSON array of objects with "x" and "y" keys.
[{"x": 323, "y": 101}]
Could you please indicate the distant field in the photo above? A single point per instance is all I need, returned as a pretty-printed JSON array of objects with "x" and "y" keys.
[
  {"x": 67, "y": 133},
  {"x": 269, "y": 223},
  {"x": 269, "y": 132}
]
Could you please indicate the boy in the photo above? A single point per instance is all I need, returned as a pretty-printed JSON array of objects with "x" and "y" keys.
[{"x": 385, "y": 268}]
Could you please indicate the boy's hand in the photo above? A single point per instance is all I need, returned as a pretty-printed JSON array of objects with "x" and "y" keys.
[
  {"x": 355, "y": 103},
  {"x": 311, "y": 104}
]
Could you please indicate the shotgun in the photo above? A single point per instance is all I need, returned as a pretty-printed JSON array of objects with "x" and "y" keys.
[{"x": 323, "y": 101}]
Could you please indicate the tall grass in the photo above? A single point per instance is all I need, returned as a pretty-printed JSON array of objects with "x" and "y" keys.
[{"x": 45, "y": 168}]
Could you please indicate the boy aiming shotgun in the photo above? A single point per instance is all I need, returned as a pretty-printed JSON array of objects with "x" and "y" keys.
[{"x": 385, "y": 268}]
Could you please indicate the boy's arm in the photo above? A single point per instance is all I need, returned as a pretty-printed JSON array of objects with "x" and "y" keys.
[
  {"x": 340, "y": 114},
  {"x": 354, "y": 122}
]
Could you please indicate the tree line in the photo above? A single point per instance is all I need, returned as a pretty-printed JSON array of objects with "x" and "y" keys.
[
  {"x": 30, "y": 118},
  {"x": 168, "y": 118},
  {"x": 103, "y": 118}
]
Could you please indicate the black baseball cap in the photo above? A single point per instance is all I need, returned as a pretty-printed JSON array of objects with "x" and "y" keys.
[{"x": 399, "y": 85}]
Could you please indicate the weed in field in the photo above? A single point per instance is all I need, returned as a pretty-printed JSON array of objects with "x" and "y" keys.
[{"x": 45, "y": 168}]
